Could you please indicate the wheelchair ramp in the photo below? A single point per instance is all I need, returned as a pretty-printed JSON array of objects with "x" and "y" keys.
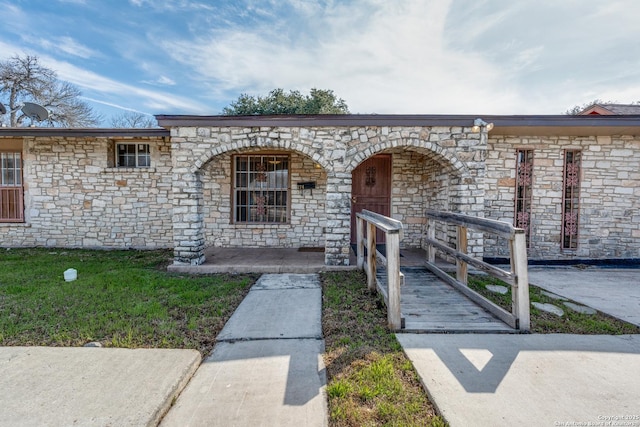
[{"x": 430, "y": 305}]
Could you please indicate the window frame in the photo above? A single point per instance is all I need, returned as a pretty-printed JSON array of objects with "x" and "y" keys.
[
  {"x": 137, "y": 154},
  {"x": 12, "y": 194},
  {"x": 236, "y": 205}
]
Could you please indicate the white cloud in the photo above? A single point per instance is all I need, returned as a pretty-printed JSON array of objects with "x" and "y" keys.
[
  {"x": 112, "y": 104},
  {"x": 411, "y": 56},
  {"x": 88, "y": 80},
  {"x": 109, "y": 89},
  {"x": 160, "y": 81},
  {"x": 384, "y": 57},
  {"x": 68, "y": 45},
  {"x": 172, "y": 5}
]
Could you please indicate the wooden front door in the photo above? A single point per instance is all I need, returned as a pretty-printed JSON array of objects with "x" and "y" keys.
[{"x": 371, "y": 190}]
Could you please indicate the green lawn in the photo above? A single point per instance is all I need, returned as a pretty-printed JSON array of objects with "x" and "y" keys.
[
  {"x": 370, "y": 380},
  {"x": 127, "y": 299},
  {"x": 121, "y": 299}
]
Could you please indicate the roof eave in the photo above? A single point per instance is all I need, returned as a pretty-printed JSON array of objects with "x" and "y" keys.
[
  {"x": 503, "y": 125},
  {"x": 83, "y": 132}
]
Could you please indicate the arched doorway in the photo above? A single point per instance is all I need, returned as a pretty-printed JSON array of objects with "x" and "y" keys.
[{"x": 371, "y": 190}]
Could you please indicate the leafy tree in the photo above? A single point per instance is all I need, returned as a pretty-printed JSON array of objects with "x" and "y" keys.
[
  {"x": 133, "y": 119},
  {"x": 24, "y": 79},
  {"x": 318, "y": 101}
]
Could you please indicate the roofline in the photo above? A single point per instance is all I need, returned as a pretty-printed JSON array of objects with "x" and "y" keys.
[
  {"x": 317, "y": 120},
  {"x": 398, "y": 120},
  {"x": 503, "y": 125},
  {"x": 84, "y": 132}
]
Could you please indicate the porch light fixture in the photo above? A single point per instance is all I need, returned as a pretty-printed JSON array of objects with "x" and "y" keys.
[{"x": 479, "y": 124}]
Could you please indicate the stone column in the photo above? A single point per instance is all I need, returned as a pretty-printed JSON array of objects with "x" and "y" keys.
[
  {"x": 471, "y": 189},
  {"x": 188, "y": 218},
  {"x": 338, "y": 211}
]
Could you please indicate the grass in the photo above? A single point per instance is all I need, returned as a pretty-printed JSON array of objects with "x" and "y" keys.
[
  {"x": 370, "y": 380},
  {"x": 572, "y": 322},
  {"x": 127, "y": 299},
  {"x": 120, "y": 299}
]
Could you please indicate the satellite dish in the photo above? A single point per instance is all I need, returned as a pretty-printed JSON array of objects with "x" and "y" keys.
[
  {"x": 2, "y": 109},
  {"x": 35, "y": 112}
]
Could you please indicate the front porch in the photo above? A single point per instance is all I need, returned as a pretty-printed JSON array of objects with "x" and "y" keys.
[
  {"x": 280, "y": 260},
  {"x": 267, "y": 185}
]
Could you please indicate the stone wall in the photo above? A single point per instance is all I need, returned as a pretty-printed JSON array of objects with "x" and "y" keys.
[
  {"x": 74, "y": 197},
  {"x": 198, "y": 153},
  {"x": 609, "y": 215}
]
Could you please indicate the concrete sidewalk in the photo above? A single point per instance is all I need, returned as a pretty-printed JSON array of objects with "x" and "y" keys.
[
  {"x": 524, "y": 380},
  {"x": 266, "y": 368},
  {"x": 54, "y": 386}
]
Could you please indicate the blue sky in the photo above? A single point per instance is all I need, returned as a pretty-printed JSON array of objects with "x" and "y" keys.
[{"x": 381, "y": 56}]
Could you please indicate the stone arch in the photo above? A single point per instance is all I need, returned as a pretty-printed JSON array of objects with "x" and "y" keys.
[
  {"x": 298, "y": 146},
  {"x": 305, "y": 210},
  {"x": 446, "y": 156},
  {"x": 463, "y": 190}
]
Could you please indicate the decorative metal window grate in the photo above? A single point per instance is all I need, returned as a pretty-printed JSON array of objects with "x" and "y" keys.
[
  {"x": 571, "y": 199},
  {"x": 133, "y": 155},
  {"x": 261, "y": 189},
  {"x": 524, "y": 185},
  {"x": 11, "y": 194}
]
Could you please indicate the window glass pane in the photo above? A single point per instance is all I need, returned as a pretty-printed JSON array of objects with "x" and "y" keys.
[
  {"x": 259, "y": 177},
  {"x": 144, "y": 157},
  {"x": 3, "y": 168},
  {"x": 11, "y": 194},
  {"x": 133, "y": 155},
  {"x": 144, "y": 160},
  {"x": 127, "y": 160},
  {"x": 10, "y": 169},
  {"x": 18, "y": 167}
]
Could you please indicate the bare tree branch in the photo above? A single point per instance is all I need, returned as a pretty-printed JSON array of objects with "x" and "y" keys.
[
  {"x": 133, "y": 119},
  {"x": 24, "y": 79}
]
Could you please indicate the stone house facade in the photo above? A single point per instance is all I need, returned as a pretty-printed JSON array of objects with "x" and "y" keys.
[
  {"x": 74, "y": 195},
  {"x": 295, "y": 181}
]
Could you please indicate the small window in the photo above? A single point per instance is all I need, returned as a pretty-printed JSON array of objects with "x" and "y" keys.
[
  {"x": 133, "y": 155},
  {"x": 11, "y": 193},
  {"x": 261, "y": 189},
  {"x": 524, "y": 188},
  {"x": 571, "y": 199}
]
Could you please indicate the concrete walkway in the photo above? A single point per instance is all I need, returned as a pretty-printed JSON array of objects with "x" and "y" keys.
[
  {"x": 525, "y": 380},
  {"x": 266, "y": 368},
  {"x": 615, "y": 292}
]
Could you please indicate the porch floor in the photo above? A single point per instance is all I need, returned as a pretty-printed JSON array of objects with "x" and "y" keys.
[{"x": 279, "y": 260}]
